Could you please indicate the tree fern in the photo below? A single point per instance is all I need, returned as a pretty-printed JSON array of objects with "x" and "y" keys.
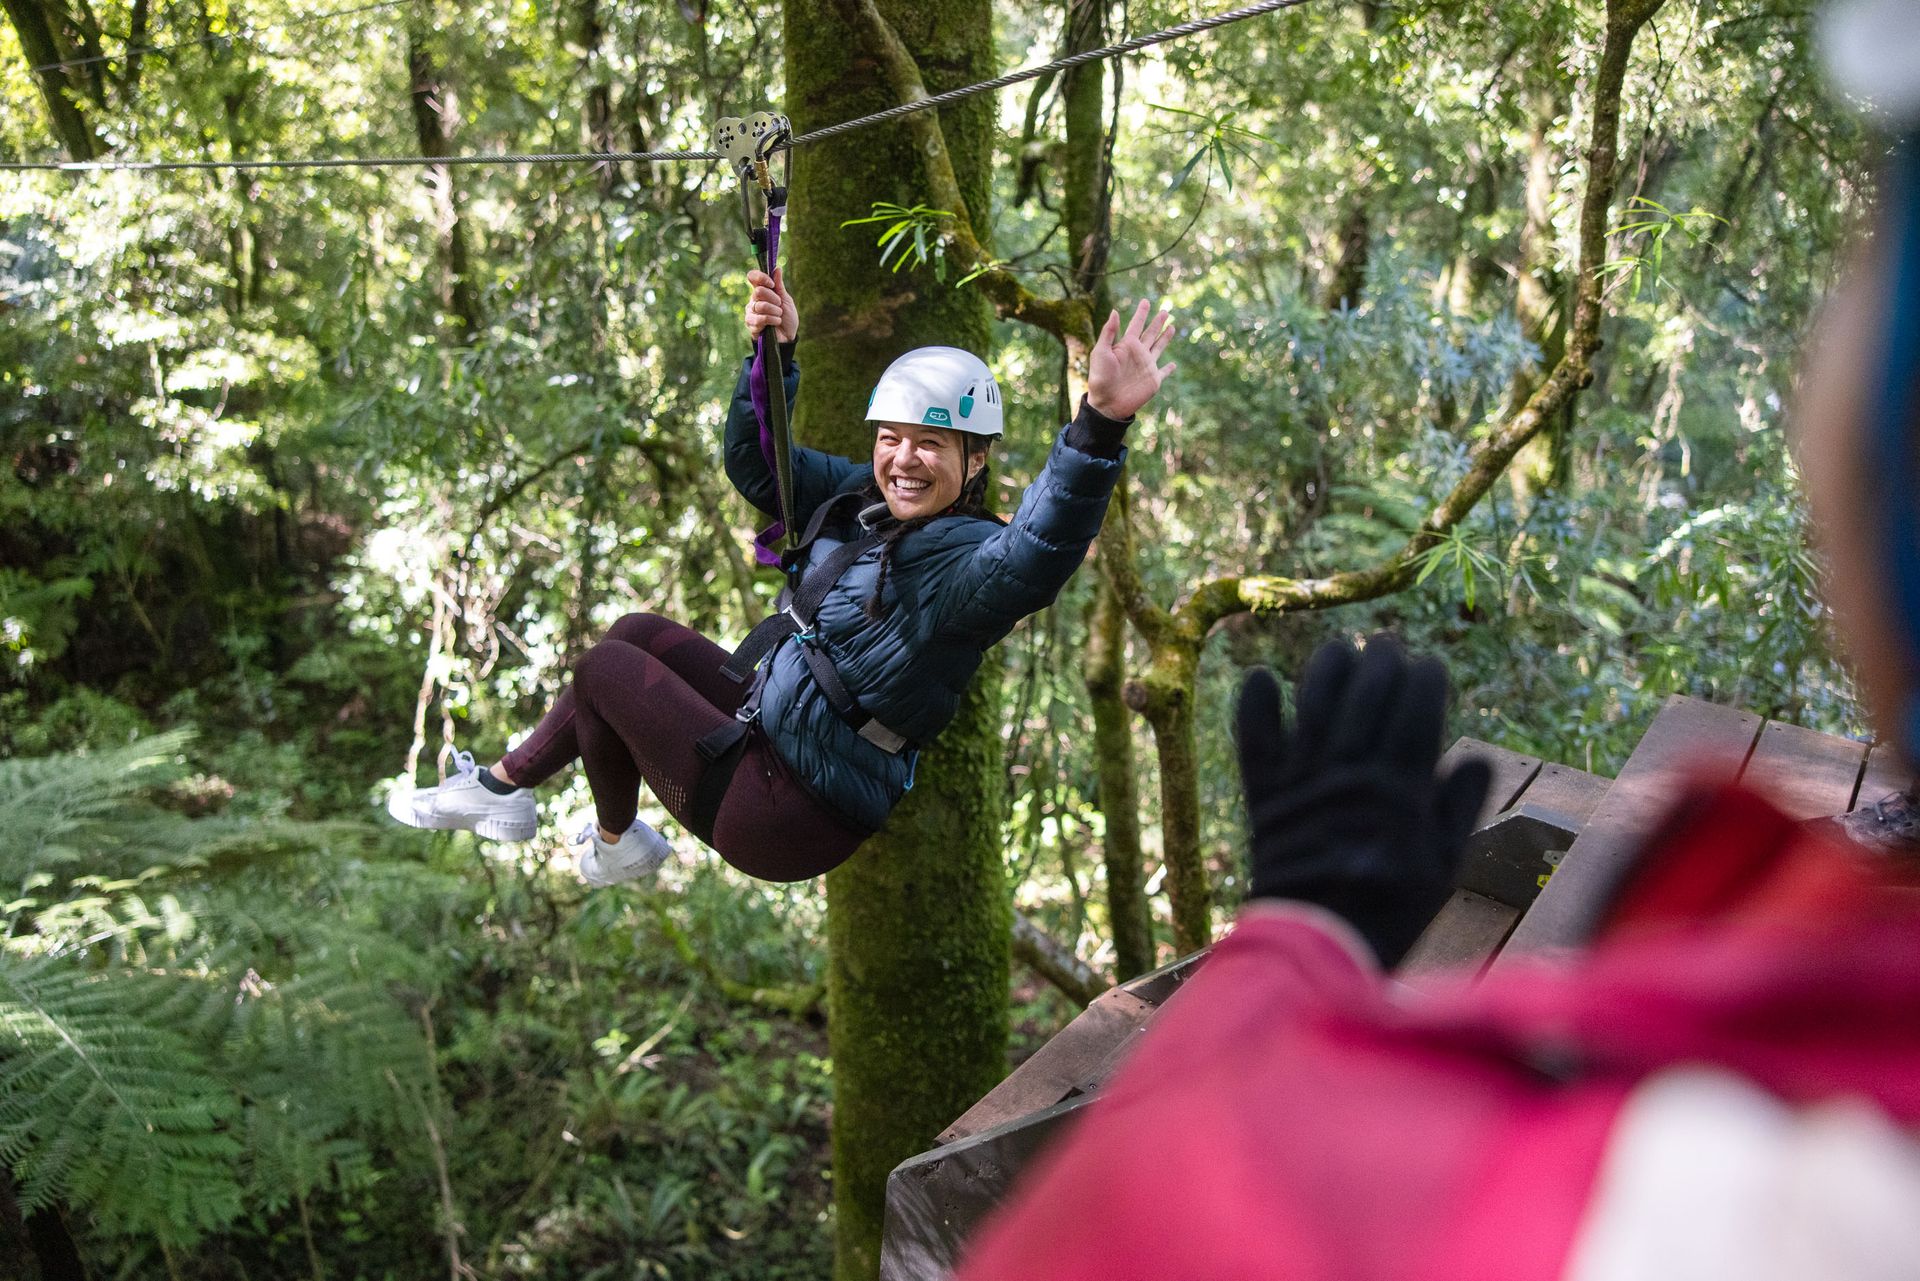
[
  {"x": 183, "y": 1044},
  {"x": 103, "y": 1106},
  {"x": 89, "y": 816},
  {"x": 55, "y": 809}
]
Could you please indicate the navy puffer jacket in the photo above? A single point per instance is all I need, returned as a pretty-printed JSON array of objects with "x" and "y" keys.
[{"x": 954, "y": 588}]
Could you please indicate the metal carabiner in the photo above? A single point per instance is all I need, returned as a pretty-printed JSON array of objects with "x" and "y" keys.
[{"x": 776, "y": 136}]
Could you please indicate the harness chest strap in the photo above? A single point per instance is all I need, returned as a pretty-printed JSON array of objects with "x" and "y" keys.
[{"x": 798, "y": 609}]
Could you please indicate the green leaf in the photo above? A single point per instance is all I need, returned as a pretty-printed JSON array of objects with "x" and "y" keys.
[{"x": 1187, "y": 170}]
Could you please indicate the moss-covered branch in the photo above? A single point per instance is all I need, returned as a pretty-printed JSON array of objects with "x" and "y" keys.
[
  {"x": 1065, "y": 318},
  {"x": 1222, "y": 597},
  {"x": 1056, "y": 963},
  {"x": 1164, "y": 692},
  {"x": 1119, "y": 562}
]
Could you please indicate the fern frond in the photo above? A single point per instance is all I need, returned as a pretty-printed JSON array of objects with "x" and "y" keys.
[
  {"x": 52, "y": 809},
  {"x": 201, "y": 1016},
  {"x": 103, "y": 1107}
]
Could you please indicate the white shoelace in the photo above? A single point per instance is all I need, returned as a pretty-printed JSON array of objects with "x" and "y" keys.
[{"x": 463, "y": 762}]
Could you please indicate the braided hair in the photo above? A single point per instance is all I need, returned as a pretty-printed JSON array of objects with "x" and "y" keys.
[{"x": 971, "y": 502}]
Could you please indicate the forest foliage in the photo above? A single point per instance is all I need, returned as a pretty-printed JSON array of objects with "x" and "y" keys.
[{"x": 312, "y": 472}]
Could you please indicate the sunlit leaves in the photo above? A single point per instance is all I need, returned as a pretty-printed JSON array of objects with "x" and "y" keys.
[{"x": 1647, "y": 225}]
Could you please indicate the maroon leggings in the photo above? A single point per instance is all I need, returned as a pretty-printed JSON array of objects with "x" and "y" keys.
[{"x": 640, "y": 701}]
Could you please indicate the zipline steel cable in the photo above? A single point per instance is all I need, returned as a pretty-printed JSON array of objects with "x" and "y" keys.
[{"x": 928, "y": 103}]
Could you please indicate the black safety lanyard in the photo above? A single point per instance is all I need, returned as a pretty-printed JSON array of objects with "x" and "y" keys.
[{"x": 748, "y": 146}]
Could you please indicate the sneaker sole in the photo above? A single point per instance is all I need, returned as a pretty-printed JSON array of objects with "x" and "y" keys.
[
  {"x": 505, "y": 829},
  {"x": 619, "y": 876},
  {"x": 400, "y": 808}
]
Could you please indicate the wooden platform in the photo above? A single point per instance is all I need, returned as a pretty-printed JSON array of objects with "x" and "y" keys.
[{"x": 1550, "y": 843}]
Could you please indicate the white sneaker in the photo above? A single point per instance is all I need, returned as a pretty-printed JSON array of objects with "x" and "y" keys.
[
  {"x": 639, "y": 852},
  {"x": 463, "y": 803}
]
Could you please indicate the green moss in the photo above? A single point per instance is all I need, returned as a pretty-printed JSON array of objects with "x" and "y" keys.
[{"x": 918, "y": 926}]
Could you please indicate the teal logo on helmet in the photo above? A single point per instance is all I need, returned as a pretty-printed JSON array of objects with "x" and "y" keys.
[
  {"x": 938, "y": 417},
  {"x": 966, "y": 406}
]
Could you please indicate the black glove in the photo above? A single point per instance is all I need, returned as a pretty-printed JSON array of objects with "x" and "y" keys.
[{"x": 1346, "y": 811}]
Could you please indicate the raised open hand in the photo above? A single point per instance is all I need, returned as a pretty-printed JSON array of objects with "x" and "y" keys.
[
  {"x": 1124, "y": 370},
  {"x": 771, "y": 304},
  {"x": 1347, "y": 807}
]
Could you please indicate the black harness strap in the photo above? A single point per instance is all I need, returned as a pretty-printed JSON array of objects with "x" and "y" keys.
[
  {"x": 798, "y": 606},
  {"x": 722, "y": 750},
  {"x": 845, "y": 705}
]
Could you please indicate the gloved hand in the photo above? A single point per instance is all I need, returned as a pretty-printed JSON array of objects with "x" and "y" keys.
[{"x": 1346, "y": 811}]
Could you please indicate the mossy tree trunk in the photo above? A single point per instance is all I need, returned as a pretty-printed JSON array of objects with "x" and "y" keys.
[
  {"x": 918, "y": 920},
  {"x": 1130, "y": 921},
  {"x": 1088, "y": 203},
  {"x": 435, "y": 118},
  {"x": 37, "y": 27}
]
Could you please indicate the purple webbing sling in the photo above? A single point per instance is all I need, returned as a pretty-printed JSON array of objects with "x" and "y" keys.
[{"x": 766, "y": 542}]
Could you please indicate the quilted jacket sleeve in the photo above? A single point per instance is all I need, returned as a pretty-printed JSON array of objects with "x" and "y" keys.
[
  {"x": 817, "y": 476},
  {"x": 1019, "y": 569}
]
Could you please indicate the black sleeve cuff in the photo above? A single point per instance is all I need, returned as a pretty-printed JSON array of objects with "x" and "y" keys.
[{"x": 1092, "y": 432}]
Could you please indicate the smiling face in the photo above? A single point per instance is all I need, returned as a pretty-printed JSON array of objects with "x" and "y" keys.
[{"x": 921, "y": 470}]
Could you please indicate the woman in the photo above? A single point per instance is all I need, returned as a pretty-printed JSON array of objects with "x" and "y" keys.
[{"x": 906, "y": 583}]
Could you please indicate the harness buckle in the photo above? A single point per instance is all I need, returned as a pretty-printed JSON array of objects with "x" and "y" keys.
[{"x": 882, "y": 737}]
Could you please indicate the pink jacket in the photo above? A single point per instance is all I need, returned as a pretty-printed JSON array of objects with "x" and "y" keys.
[{"x": 1723, "y": 1085}]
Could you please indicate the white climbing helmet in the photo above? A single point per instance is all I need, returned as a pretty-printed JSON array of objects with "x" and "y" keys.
[{"x": 940, "y": 387}]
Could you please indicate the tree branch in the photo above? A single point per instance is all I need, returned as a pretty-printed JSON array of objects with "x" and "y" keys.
[
  {"x": 1119, "y": 564},
  {"x": 58, "y": 87},
  {"x": 1055, "y": 963},
  {"x": 1222, "y": 597},
  {"x": 1068, "y": 319}
]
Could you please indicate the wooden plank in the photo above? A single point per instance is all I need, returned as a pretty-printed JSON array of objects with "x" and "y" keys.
[
  {"x": 1472, "y": 926},
  {"x": 1565, "y": 796},
  {"x": 1464, "y": 936},
  {"x": 1511, "y": 773},
  {"x": 1685, "y": 736},
  {"x": 1507, "y": 860},
  {"x": 937, "y": 1199},
  {"x": 1885, "y": 774},
  {"x": 1469, "y": 927},
  {"x": 1078, "y": 1057},
  {"x": 1805, "y": 773},
  {"x": 1155, "y": 986}
]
